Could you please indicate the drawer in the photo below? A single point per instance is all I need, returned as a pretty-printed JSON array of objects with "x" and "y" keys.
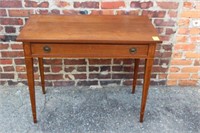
[{"x": 89, "y": 50}]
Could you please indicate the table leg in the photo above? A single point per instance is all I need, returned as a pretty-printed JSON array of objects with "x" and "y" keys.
[
  {"x": 136, "y": 67},
  {"x": 30, "y": 77},
  {"x": 41, "y": 67},
  {"x": 147, "y": 76}
]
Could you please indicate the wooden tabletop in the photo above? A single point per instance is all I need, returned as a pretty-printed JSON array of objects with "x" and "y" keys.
[{"x": 89, "y": 29}]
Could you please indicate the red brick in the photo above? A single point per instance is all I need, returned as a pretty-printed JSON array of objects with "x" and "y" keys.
[
  {"x": 5, "y": 61},
  {"x": 70, "y": 12},
  {"x": 4, "y": 46},
  {"x": 93, "y": 69},
  {"x": 62, "y": 3},
  {"x": 75, "y": 62},
  {"x": 87, "y": 4},
  {"x": 168, "y": 5},
  {"x": 44, "y": 4},
  {"x": 20, "y": 13},
  {"x": 43, "y": 11},
  {"x": 162, "y": 76},
  {"x": 159, "y": 69},
  {"x": 195, "y": 76},
  {"x": 19, "y": 61},
  {"x": 11, "y": 21},
  {"x": 81, "y": 69},
  {"x": 190, "y": 14},
  {"x": 188, "y": 5},
  {"x": 29, "y": 3},
  {"x": 99, "y": 76},
  {"x": 8, "y": 68},
  {"x": 164, "y": 37},
  {"x": 63, "y": 83},
  {"x": 122, "y": 76},
  {"x": 192, "y": 55},
  {"x": 160, "y": 30},
  {"x": 99, "y": 61},
  {"x": 107, "y": 12},
  {"x": 178, "y": 76},
  {"x": 195, "y": 39},
  {"x": 54, "y": 76},
  {"x": 172, "y": 14},
  {"x": 53, "y": 61},
  {"x": 154, "y": 14},
  {"x": 69, "y": 69},
  {"x": 161, "y": 22},
  {"x": 145, "y": 5},
  {"x": 128, "y": 61},
  {"x": 117, "y": 68},
  {"x": 12, "y": 54},
  {"x": 16, "y": 46},
  {"x": 184, "y": 22},
  {"x": 3, "y": 12},
  {"x": 174, "y": 69},
  {"x": 181, "y": 62},
  {"x": 187, "y": 82},
  {"x": 20, "y": 69},
  {"x": 56, "y": 69},
  {"x": 190, "y": 69},
  {"x": 171, "y": 82},
  {"x": 110, "y": 82},
  {"x": 7, "y": 76},
  {"x": 80, "y": 76},
  {"x": 135, "y": 4},
  {"x": 194, "y": 31},
  {"x": 170, "y": 31},
  {"x": 22, "y": 76},
  {"x": 197, "y": 63},
  {"x": 183, "y": 31},
  {"x": 177, "y": 54},
  {"x": 96, "y": 12},
  {"x": 185, "y": 47},
  {"x": 142, "y": 5},
  {"x": 55, "y": 11},
  {"x": 112, "y": 5},
  {"x": 87, "y": 83},
  {"x": 181, "y": 39},
  {"x": 10, "y": 29},
  {"x": 11, "y": 4}
]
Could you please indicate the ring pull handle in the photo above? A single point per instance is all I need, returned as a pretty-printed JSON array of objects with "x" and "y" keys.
[
  {"x": 47, "y": 49},
  {"x": 132, "y": 50}
]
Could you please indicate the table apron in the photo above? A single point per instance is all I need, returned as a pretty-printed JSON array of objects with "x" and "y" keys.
[{"x": 89, "y": 50}]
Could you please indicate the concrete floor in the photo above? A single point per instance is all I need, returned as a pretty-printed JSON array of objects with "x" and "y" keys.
[{"x": 100, "y": 110}]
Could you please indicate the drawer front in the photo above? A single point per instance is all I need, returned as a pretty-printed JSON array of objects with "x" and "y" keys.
[{"x": 89, "y": 50}]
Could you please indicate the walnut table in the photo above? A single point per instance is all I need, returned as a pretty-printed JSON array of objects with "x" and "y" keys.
[{"x": 89, "y": 37}]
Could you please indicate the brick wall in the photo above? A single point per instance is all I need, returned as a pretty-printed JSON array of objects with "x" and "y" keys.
[
  {"x": 185, "y": 62},
  {"x": 177, "y": 58}
]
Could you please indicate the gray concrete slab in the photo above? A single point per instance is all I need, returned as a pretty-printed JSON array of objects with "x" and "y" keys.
[{"x": 100, "y": 110}]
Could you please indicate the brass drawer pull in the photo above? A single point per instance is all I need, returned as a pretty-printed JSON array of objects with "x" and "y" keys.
[
  {"x": 46, "y": 49},
  {"x": 132, "y": 50}
]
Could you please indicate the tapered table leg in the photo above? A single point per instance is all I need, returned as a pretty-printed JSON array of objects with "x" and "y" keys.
[
  {"x": 147, "y": 76},
  {"x": 41, "y": 67},
  {"x": 136, "y": 67},
  {"x": 30, "y": 77}
]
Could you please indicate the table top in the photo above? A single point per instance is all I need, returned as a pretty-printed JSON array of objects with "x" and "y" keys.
[{"x": 89, "y": 29}]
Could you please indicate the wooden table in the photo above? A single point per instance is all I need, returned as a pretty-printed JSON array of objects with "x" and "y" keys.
[{"x": 89, "y": 37}]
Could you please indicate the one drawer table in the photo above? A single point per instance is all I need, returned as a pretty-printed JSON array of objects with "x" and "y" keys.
[{"x": 58, "y": 36}]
